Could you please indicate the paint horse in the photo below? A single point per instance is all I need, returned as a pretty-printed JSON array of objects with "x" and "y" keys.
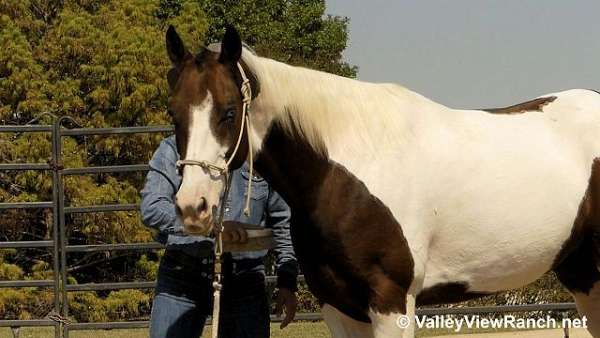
[{"x": 397, "y": 200}]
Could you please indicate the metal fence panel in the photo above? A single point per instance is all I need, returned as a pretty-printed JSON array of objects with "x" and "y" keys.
[{"x": 54, "y": 243}]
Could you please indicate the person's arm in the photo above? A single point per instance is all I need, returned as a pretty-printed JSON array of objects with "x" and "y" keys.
[
  {"x": 158, "y": 205},
  {"x": 286, "y": 265},
  {"x": 278, "y": 218}
]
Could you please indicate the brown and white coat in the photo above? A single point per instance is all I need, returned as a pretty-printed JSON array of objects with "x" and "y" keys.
[{"x": 398, "y": 200}]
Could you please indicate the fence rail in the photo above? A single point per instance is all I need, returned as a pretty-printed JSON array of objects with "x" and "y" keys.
[
  {"x": 26, "y": 244},
  {"x": 60, "y": 247},
  {"x": 101, "y": 208},
  {"x": 26, "y": 205}
]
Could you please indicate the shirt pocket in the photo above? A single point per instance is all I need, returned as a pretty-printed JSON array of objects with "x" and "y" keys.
[
  {"x": 260, "y": 187},
  {"x": 258, "y": 197}
]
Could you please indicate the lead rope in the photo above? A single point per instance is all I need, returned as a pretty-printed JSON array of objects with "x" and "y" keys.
[{"x": 217, "y": 286}]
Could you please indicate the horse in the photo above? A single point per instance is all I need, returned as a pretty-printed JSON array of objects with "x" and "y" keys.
[{"x": 396, "y": 200}]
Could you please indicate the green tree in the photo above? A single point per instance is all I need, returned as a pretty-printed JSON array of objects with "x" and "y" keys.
[
  {"x": 292, "y": 31},
  {"x": 104, "y": 64}
]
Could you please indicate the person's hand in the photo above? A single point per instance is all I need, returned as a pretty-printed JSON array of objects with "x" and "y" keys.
[
  {"x": 286, "y": 300},
  {"x": 234, "y": 232}
]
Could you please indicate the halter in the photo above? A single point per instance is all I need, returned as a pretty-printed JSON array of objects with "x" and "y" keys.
[{"x": 246, "y": 92}]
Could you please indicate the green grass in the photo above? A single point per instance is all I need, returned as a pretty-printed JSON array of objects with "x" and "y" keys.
[{"x": 294, "y": 330}]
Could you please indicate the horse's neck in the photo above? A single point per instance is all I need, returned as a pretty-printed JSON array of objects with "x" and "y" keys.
[
  {"x": 328, "y": 109},
  {"x": 291, "y": 166}
]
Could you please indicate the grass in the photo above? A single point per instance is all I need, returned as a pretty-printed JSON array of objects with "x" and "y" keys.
[{"x": 294, "y": 330}]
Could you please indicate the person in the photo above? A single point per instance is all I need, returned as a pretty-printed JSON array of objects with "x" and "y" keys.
[{"x": 183, "y": 295}]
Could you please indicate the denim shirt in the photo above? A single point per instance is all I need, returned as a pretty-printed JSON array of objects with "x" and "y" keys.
[{"x": 267, "y": 209}]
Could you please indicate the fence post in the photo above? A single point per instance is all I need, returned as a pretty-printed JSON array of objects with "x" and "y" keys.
[
  {"x": 54, "y": 164},
  {"x": 62, "y": 242}
]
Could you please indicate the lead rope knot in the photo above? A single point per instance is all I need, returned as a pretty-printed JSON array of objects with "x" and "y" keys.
[{"x": 246, "y": 92}]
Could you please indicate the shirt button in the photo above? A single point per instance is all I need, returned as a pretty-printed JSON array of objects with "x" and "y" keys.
[{"x": 226, "y": 209}]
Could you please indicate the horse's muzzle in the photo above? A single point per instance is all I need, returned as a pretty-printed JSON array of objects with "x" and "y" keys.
[{"x": 197, "y": 219}]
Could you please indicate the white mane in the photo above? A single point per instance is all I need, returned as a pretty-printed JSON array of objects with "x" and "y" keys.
[{"x": 332, "y": 112}]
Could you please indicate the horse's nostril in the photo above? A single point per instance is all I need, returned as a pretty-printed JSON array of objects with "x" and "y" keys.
[
  {"x": 178, "y": 210},
  {"x": 201, "y": 205}
]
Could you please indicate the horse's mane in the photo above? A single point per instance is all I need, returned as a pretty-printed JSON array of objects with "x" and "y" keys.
[{"x": 330, "y": 110}]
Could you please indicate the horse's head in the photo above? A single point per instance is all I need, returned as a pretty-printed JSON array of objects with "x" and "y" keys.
[{"x": 206, "y": 105}]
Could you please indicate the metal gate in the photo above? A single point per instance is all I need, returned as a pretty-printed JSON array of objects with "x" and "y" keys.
[{"x": 59, "y": 243}]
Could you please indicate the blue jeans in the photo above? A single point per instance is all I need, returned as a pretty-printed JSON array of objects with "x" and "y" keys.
[{"x": 183, "y": 300}]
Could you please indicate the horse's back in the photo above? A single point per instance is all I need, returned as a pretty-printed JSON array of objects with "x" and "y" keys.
[
  {"x": 506, "y": 189},
  {"x": 569, "y": 119}
]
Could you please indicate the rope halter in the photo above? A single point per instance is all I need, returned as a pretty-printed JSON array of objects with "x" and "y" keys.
[{"x": 223, "y": 170}]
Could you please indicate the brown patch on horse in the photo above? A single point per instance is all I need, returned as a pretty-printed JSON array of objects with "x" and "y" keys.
[
  {"x": 577, "y": 264},
  {"x": 536, "y": 105},
  {"x": 453, "y": 292},
  {"x": 350, "y": 247}
]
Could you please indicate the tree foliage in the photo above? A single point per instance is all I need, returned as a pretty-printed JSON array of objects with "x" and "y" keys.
[
  {"x": 103, "y": 62},
  {"x": 292, "y": 31}
]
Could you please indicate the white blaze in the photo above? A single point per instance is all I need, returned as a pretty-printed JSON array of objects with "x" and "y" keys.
[{"x": 197, "y": 182}]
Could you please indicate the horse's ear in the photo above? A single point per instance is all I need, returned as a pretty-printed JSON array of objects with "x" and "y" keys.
[
  {"x": 231, "y": 46},
  {"x": 175, "y": 47}
]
